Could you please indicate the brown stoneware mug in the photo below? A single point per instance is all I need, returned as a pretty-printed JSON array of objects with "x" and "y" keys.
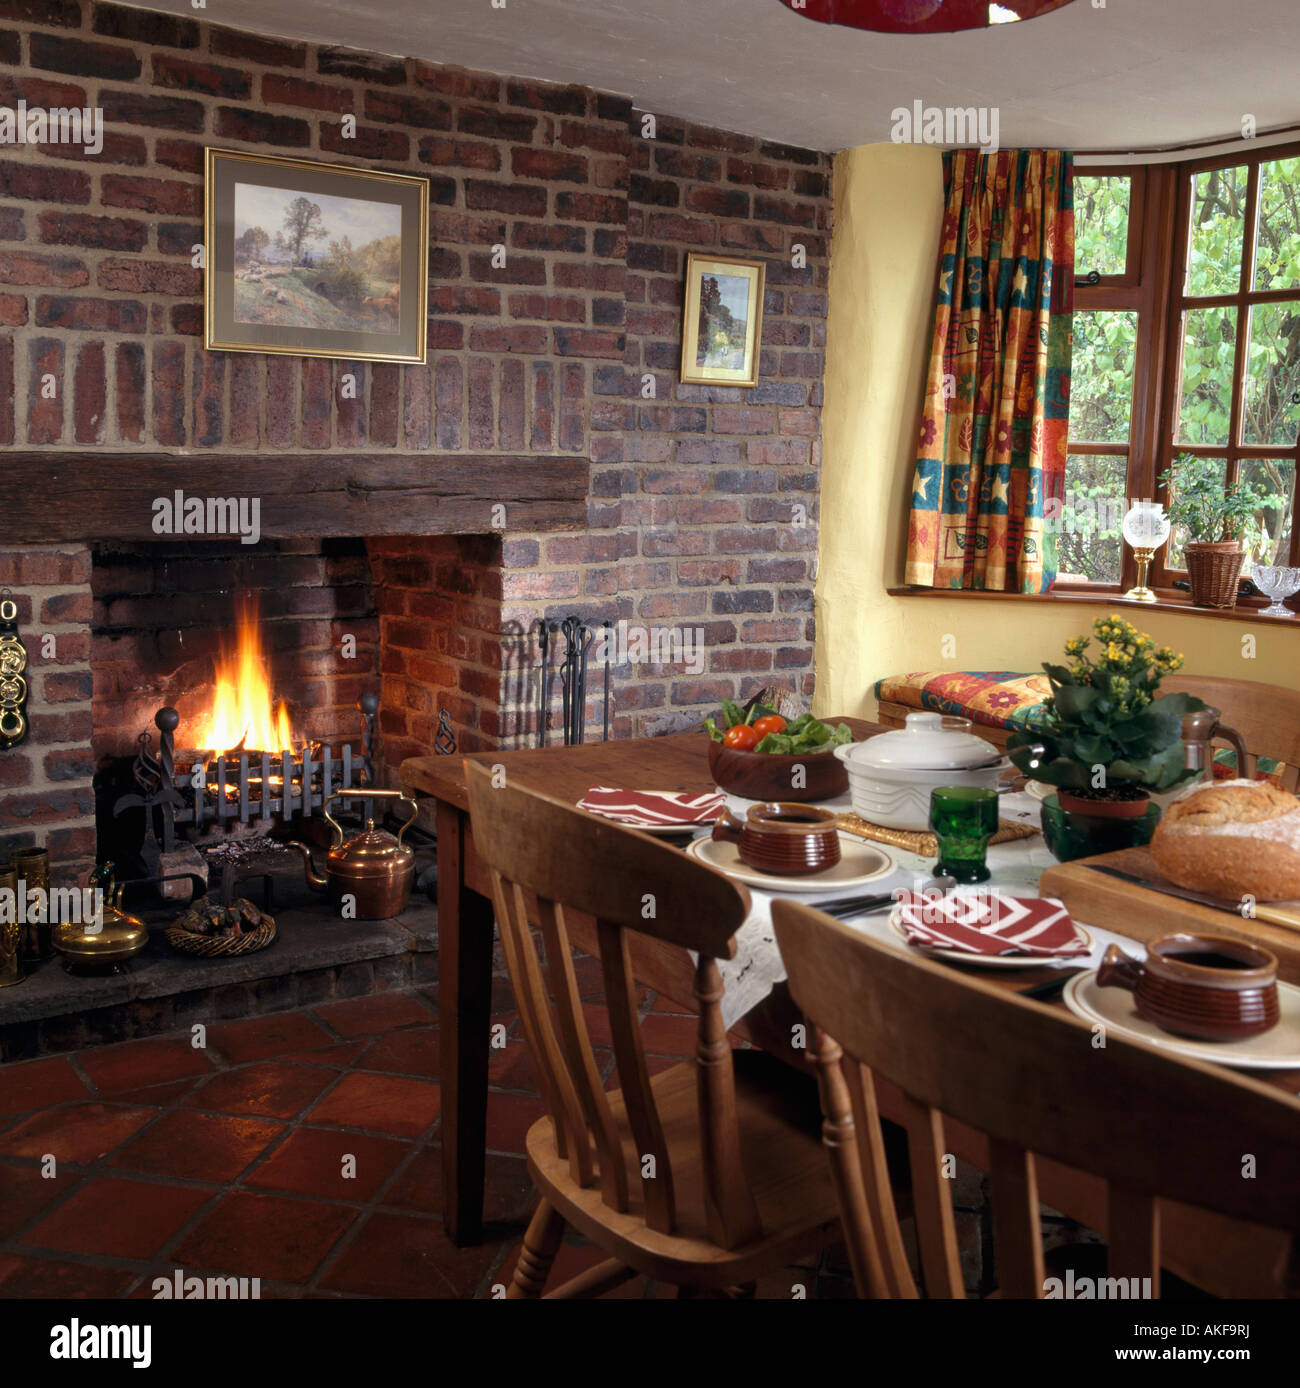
[
  {"x": 782, "y": 838},
  {"x": 1205, "y": 986}
]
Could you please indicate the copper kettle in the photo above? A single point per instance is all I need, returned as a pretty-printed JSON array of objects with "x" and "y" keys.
[{"x": 373, "y": 868}]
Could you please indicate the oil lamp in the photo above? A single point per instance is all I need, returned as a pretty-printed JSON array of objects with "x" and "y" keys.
[{"x": 1146, "y": 528}]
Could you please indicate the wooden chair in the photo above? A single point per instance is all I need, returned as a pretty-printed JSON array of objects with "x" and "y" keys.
[
  {"x": 706, "y": 1175},
  {"x": 1033, "y": 1080},
  {"x": 1266, "y": 715}
]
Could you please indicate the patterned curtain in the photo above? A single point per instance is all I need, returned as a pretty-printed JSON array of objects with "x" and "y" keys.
[{"x": 993, "y": 429}]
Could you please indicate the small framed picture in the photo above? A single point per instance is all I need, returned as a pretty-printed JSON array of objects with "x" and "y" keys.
[
  {"x": 723, "y": 327},
  {"x": 314, "y": 260}
]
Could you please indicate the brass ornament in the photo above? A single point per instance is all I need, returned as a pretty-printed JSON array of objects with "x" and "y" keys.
[{"x": 13, "y": 684}]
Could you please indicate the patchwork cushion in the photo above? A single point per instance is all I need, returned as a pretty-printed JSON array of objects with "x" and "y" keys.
[{"x": 995, "y": 698}]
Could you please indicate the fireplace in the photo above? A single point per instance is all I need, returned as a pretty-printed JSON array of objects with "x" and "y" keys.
[{"x": 241, "y": 662}]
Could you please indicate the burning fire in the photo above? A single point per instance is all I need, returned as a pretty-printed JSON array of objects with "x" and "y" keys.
[{"x": 242, "y": 714}]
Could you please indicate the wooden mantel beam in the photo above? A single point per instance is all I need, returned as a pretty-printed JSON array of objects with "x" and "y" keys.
[{"x": 96, "y": 495}]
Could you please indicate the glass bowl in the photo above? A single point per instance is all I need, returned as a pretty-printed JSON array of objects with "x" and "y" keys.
[{"x": 1277, "y": 582}]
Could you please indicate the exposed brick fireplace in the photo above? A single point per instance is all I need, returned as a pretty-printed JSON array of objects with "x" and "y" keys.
[{"x": 551, "y": 388}]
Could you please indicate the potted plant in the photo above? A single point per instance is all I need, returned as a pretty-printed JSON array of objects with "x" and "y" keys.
[
  {"x": 1211, "y": 514},
  {"x": 1108, "y": 739}
]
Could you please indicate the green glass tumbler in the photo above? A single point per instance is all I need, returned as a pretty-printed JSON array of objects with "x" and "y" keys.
[{"x": 963, "y": 818}]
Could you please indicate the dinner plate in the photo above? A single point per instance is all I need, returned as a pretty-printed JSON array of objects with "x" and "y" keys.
[
  {"x": 1113, "y": 1008},
  {"x": 991, "y": 961},
  {"x": 859, "y": 864},
  {"x": 659, "y": 831}
]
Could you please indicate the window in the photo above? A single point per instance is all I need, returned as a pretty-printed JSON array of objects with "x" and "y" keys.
[
  {"x": 1186, "y": 344},
  {"x": 1108, "y": 310}
]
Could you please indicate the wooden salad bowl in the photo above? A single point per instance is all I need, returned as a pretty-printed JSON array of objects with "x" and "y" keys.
[{"x": 772, "y": 776}]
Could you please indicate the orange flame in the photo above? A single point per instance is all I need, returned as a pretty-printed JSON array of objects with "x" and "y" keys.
[{"x": 242, "y": 711}]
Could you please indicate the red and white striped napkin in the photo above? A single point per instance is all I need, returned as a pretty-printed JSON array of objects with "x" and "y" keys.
[
  {"x": 653, "y": 809},
  {"x": 987, "y": 922}
]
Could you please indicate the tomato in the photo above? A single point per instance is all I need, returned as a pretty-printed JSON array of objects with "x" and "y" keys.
[
  {"x": 741, "y": 738},
  {"x": 769, "y": 723}
]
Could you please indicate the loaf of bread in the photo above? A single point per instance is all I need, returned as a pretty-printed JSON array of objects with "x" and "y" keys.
[{"x": 1232, "y": 839}]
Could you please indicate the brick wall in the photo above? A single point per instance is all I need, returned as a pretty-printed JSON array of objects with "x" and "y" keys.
[
  {"x": 45, "y": 795},
  {"x": 703, "y": 502}
]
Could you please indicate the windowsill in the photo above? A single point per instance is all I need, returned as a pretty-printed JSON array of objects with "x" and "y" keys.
[{"x": 1167, "y": 600}]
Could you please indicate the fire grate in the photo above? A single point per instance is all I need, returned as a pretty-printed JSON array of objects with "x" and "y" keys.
[{"x": 240, "y": 789}]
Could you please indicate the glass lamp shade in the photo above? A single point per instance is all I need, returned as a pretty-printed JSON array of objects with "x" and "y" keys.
[
  {"x": 1146, "y": 526},
  {"x": 921, "y": 16}
]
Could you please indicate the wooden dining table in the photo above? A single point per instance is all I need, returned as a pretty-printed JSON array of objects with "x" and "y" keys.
[{"x": 1223, "y": 1256}]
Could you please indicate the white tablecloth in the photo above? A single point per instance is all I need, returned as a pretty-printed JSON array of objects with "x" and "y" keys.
[{"x": 1015, "y": 867}]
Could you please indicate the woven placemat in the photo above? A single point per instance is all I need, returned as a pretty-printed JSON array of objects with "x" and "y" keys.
[{"x": 922, "y": 842}]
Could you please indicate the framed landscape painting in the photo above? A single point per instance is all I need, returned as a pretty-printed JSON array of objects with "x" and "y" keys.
[
  {"x": 314, "y": 260},
  {"x": 723, "y": 326}
]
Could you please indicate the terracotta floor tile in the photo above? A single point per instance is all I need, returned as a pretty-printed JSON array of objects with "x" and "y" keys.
[
  {"x": 509, "y": 1116},
  {"x": 39, "y": 1084},
  {"x": 135, "y": 1064},
  {"x": 266, "y": 1236},
  {"x": 159, "y": 1095},
  {"x": 339, "y": 1056},
  {"x": 49, "y": 1279},
  {"x": 24, "y": 1193},
  {"x": 508, "y": 1188},
  {"x": 78, "y": 1133},
  {"x": 405, "y": 1256},
  {"x": 266, "y": 1089},
  {"x": 374, "y": 1015},
  {"x": 198, "y": 1146},
  {"x": 311, "y": 1161},
  {"x": 410, "y": 1052},
  {"x": 663, "y": 1035},
  {"x": 259, "y": 1038},
  {"x": 121, "y": 1219},
  {"x": 503, "y": 995},
  {"x": 511, "y": 1066},
  {"x": 597, "y": 1018},
  {"x": 380, "y": 1103}
]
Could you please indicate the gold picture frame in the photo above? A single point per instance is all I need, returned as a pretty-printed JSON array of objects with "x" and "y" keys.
[
  {"x": 718, "y": 348},
  {"x": 314, "y": 260}
]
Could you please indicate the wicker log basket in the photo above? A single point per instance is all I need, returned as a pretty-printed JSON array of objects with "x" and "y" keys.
[
  {"x": 1213, "y": 570},
  {"x": 221, "y": 931}
]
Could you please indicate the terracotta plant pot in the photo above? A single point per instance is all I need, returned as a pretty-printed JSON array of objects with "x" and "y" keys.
[
  {"x": 1102, "y": 809},
  {"x": 1213, "y": 570}
]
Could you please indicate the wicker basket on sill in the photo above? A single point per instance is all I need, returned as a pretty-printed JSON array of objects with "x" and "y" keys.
[{"x": 1213, "y": 571}]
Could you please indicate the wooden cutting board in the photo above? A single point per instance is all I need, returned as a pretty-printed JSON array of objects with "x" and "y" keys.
[{"x": 1098, "y": 899}]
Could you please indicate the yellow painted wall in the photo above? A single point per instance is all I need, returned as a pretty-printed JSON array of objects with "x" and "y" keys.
[{"x": 888, "y": 210}]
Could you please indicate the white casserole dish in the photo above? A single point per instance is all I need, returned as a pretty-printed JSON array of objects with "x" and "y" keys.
[{"x": 891, "y": 775}]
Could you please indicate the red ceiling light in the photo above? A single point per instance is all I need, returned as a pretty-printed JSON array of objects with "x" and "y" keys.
[{"x": 922, "y": 16}]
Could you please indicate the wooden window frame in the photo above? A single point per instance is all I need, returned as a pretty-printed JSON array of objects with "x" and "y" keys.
[{"x": 1154, "y": 286}]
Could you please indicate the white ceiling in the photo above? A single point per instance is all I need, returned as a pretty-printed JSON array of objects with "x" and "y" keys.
[{"x": 1099, "y": 74}]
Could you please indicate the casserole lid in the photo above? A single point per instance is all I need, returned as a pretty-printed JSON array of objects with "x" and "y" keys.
[{"x": 929, "y": 742}]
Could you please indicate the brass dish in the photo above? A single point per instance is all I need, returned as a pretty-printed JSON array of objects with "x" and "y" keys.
[{"x": 90, "y": 947}]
